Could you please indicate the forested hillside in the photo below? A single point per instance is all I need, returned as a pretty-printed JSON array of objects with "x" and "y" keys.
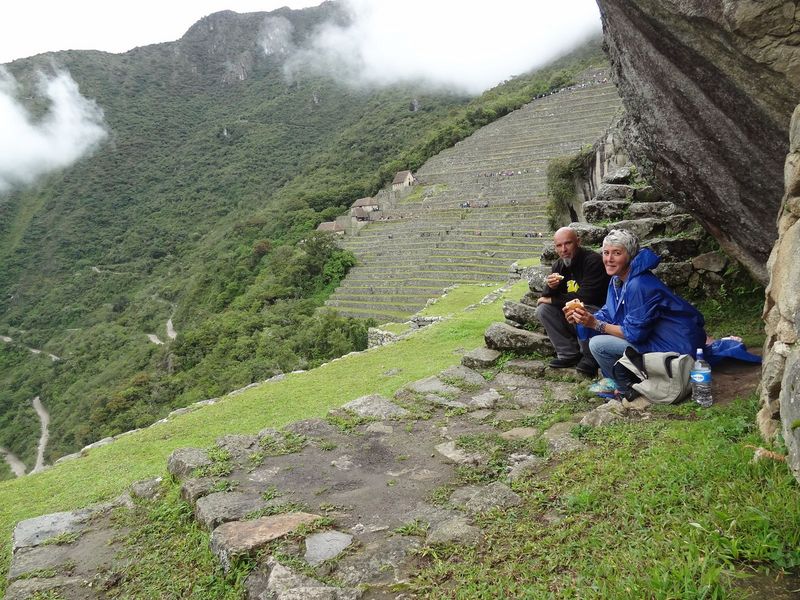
[{"x": 199, "y": 208}]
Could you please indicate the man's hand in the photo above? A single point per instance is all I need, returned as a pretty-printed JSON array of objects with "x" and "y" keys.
[
  {"x": 544, "y": 300},
  {"x": 553, "y": 280}
]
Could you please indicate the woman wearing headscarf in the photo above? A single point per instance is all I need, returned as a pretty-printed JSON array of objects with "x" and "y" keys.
[{"x": 640, "y": 310}]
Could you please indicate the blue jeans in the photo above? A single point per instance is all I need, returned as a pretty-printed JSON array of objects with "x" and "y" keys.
[{"x": 607, "y": 349}]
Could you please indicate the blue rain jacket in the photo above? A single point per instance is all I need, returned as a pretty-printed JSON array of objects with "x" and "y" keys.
[{"x": 652, "y": 316}]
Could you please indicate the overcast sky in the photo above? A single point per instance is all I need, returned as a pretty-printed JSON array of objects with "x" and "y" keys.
[
  {"x": 470, "y": 45},
  {"x": 443, "y": 34}
]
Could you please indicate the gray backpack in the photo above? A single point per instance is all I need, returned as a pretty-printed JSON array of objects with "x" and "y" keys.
[{"x": 663, "y": 376}]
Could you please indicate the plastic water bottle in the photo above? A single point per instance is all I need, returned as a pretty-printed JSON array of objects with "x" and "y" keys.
[{"x": 701, "y": 381}]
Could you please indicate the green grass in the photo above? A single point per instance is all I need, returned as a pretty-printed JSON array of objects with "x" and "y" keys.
[
  {"x": 669, "y": 508},
  {"x": 170, "y": 555},
  {"x": 396, "y": 328},
  {"x": 528, "y": 262},
  {"x": 108, "y": 470},
  {"x": 461, "y": 296}
]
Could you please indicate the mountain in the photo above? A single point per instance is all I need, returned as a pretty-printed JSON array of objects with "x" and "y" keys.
[{"x": 197, "y": 213}]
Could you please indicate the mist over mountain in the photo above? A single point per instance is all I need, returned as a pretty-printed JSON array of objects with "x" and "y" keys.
[{"x": 199, "y": 172}]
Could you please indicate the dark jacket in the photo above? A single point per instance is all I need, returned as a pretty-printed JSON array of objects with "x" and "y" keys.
[
  {"x": 585, "y": 278},
  {"x": 652, "y": 316}
]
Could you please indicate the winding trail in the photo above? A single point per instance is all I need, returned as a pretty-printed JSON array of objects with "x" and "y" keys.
[
  {"x": 44, "y": 418},
  {"x": 8, "y": 340},
  {"x": 17, "y": 466},
  {"x": 154, "y": 338}
]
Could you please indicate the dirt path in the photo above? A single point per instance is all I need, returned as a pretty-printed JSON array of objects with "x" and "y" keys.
[
  {"x": 17, "y": 466},
  {"x": 8, "y": 340},
  {"x": 154, "y": 338},
  {"x": 44, "y": 419},
  {"x": 171, "y": 333}
]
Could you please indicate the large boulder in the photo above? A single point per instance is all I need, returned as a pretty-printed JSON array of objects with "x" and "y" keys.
[
  {"x": 500, "y": 336},
  {"x": 709, "y": 88}
]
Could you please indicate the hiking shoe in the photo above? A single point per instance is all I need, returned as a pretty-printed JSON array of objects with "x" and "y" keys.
[
  {"x": 565, "y": 363},
  {"x": 587, "y": 367},
  {"x": 605, "y": 386}
]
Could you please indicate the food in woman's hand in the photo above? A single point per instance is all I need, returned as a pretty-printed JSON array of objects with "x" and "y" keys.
[{"x": 574, "y": 303}]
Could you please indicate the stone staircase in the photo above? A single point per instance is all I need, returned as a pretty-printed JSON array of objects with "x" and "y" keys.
[{"x": 427, "y": 241}]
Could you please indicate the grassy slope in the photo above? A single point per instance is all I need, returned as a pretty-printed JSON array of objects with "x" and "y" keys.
[
  {"x": 106, "y": 471},
  {"x": 669, "y": 507}
]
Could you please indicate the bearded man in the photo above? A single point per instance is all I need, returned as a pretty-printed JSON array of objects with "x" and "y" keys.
[{"x": 577, "y": 274}]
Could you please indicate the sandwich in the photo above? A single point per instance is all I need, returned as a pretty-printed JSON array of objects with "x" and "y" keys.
[{"x": 574, "y": 303}]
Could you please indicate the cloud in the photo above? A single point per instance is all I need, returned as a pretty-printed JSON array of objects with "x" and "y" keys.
[
  {"x": 469, "y": 45},
  {"x": 72, "y": 127},
  {"x": 275, "y": 37}
]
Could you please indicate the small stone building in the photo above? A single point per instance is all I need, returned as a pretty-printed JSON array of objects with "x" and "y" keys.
[
  {"x": 366, "y": 204},
  {"x": 403, "y": 179},
  {"x": 331, "y": 226}
]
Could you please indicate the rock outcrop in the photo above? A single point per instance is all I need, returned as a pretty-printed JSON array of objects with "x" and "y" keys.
[
  {"x": 709, "y": 88},
  {"x": 780, "y": 386}
]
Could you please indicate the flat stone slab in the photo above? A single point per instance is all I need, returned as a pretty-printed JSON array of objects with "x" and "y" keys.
[
  {"x": 83, "y": 553},
  {"x": 513, "y": 414},
  {"x": 478, "y": 500},
  {"x": 219, "y": 507},
  {"x": 279, "y": 582},
  {"x": 445, "y": 402},
  {"x": 382, "y": 428},
  {"x": 64, "y": 587},
  {"x": 524, "y": 466},
  {"x": 456, "y": 530},
  {"x": 183, "y": 461},
  {"x": 561, "y": 392},
  {"x": 560, "y": 439},
  {"x": 240, "y": 447},
  {"x": 238, "y": 538},
  {"x": 32, "y": 532},
  {"x": 464, "y": 374},
  {"x": 432, "y": 385},
  {"x": 604, "y": 414},
  {"x": 487, "y": 399},
  {"x": 375, "y": 406},
  {"x": 520, "y": 433},
  {"x": 530, "y": 368},
  {"x": 480, "y": 414},
  {"x": 457, "y": 455},
  {"x": 480, "y": 358},
  {"x": 326, "y": 545},
  {"x": 381, "y": 562},
  {"x": 313, "y": 428},
  {"x": 194, "y": 489},
  {"x": 529, "y": 398},
  {"x": 513, "y": 381}
]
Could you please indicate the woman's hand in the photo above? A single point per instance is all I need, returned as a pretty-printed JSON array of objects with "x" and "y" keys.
[{"x": 580, "y": 316}]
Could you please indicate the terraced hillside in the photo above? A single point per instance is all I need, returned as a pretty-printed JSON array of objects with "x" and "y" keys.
[{"x": 428, "y": 241}]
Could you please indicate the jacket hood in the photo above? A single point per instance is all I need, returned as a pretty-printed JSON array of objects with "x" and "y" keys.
[{"x": 646, "y": 260}]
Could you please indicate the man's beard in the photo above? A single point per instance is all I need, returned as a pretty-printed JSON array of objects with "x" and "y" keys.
[{"x": 567, "y": 261}]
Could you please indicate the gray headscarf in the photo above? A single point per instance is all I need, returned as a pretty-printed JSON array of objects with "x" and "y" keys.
[{"x": 624, "y": 238}]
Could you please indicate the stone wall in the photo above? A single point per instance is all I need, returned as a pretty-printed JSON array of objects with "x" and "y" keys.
[{"x": 780, "y": 385}]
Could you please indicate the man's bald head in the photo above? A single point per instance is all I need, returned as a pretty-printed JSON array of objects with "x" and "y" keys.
[{"x": 567, "y": 242}]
